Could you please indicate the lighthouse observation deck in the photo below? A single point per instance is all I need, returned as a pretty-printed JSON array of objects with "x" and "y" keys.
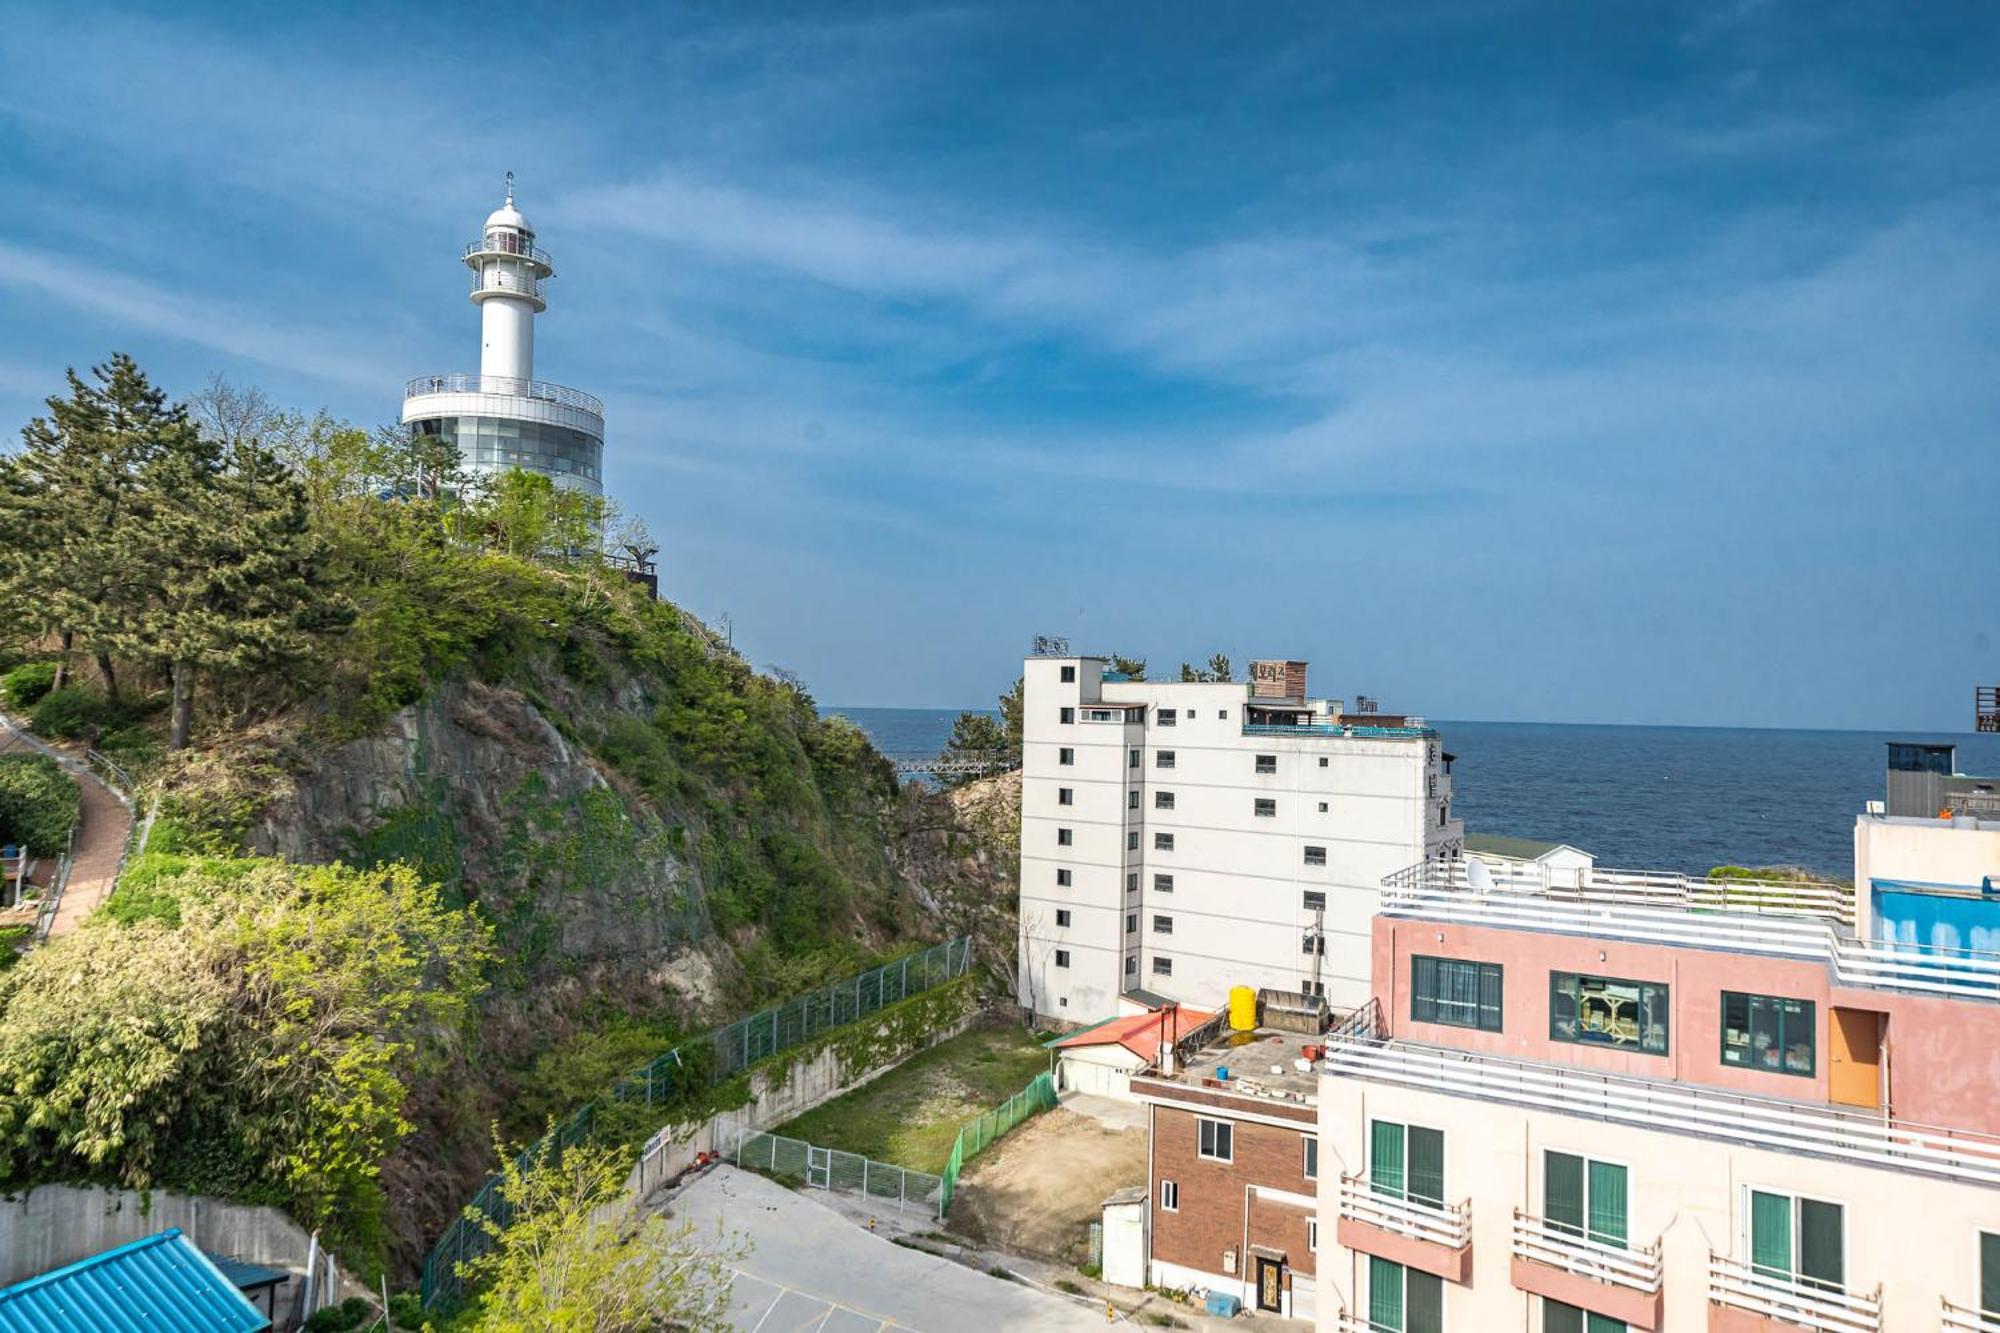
[{"x": 425, "y": 385}]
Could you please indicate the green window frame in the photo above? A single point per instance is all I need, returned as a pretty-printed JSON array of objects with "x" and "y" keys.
[
  {"x": 1456, "y": 992},
  {"x": 1560, "y": 1318},
  {"x": 1587, "y": 1010},
  {"x": 1586, "y": 1198},
  {"x": 1403, "y": 1300},
  {"x": 1406, "y": 1162},
  {"x": 1793, "y": 1238},
  {"x": 1989, "y": 1273},
  {"x": 1772, "y": 1034}
]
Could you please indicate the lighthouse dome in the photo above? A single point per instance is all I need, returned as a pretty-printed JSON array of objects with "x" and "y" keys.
[{"x": 508, "y": 216}]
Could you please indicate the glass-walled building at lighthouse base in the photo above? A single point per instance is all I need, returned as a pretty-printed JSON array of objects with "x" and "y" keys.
[{"x": 500, "y": 425}]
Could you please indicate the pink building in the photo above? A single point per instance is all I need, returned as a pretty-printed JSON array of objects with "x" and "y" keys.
[{"x": 1650, "y": 1102}]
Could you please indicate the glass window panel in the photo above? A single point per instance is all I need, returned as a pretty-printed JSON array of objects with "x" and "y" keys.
[
  {"x": 1423, "y": 1302},
  {"x": 1385, "y": 1170},
  {"x": 1562, "y": 1191},
  {"x": 1607, "y": 1204},
  {"x": 1607, "y": 1011},
  {"x": 1426, "y": 1165},
  {"x": 1989, "y": 1272},
  {"x": 1771, "y": 1233},
  {"x": 1820, "y": 1248},
  {"x": 1385, "y": 1295}
]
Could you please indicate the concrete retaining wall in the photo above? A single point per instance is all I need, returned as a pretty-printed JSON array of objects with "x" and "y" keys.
[
  {"x": 777, "y": 1095},
  {"x": 53, "y": 1225}
]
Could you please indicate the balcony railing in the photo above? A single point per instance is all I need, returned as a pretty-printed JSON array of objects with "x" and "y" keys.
[
  {"x": 1802, "y": 1304},
  {"x": 506, "y": 385},
  {"x": 1965, "y": 1319},
  {"x": 1722, "y": 921},
  {"x": 507, "y": 245},
  {"x": 1449, "y": 1225},
  {"x": 1676, "y": 1108},
  {"x": 1540, "y": 1240},
  {"x": 1354, "y": 1323}
]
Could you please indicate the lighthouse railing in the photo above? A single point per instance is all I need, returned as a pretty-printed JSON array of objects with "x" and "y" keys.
[{"x": 506, "y": 385}]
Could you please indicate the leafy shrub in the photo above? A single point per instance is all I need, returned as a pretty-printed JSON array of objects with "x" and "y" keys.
[
  {"x": 12, "y": 938},
  {"x": 72, "y": 712},
  {"x": 39, "y": 803},
  {"x": 24, "y": 686},
  {"x": 353, "y": 1313}
]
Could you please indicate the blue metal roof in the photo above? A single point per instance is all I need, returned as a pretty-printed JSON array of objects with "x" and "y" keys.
[{"x": 161, "y": 1284}]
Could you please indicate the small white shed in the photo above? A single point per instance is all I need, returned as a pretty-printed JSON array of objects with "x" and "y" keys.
[{"x": 1125, "y": 1237}]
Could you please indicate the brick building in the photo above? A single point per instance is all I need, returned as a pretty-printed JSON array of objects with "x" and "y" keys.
[{"x": 1233, "y": 1173}]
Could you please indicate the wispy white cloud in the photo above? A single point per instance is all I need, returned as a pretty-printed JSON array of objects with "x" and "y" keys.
[{"x": 135, "y": 303}]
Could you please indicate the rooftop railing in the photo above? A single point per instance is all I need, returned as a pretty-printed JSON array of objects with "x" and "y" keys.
[
  {"x": 1783, "y": 919},
  {"x": 1820, "y": 1307},
  {"x": 1449, "y": 1225},
  {"x": 1636, "y": 888},
  {"x": 1360, "y": 1048},
  {"x": 1333, "y": 729},
  {"x": 507, "y": 386},
  {"x": 1638, "y": 1267}
]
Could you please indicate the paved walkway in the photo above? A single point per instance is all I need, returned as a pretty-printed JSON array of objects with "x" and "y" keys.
[
  {"x": 100, "y": 837},
  {"x": 811, "y": 1269}
]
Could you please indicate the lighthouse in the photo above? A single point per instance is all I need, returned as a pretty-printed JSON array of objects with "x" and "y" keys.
[{"x": 503, "y": 417}]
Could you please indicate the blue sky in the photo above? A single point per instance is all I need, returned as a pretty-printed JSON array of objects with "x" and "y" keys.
[{"x": 1598, "y": 362}]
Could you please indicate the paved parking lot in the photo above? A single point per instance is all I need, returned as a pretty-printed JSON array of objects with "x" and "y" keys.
[{"x": 811, "y": 1270}]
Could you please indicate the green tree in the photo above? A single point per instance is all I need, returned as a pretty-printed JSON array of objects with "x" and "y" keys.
[
  {"x": 1010, "y": 718},
  {"x": 580, "y": 1255},
  {"x": 1134, "y": 667},
  {"x": 1218, "y": 670},
  {"x": 977, "y": 738},
  {"x": 230, "y": 572},
  {"x": 526, "y": 514},
  {"x": 67, "y": 504},
  {"x": 277, "y": 1012}
]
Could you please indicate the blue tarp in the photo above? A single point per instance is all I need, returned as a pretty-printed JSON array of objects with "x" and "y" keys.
[{"x": 161, "y": 1284}]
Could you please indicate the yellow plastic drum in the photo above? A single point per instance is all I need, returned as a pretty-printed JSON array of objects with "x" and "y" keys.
[{"x": 1242, "y": 1008}]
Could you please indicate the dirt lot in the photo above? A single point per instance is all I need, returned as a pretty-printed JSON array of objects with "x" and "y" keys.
[{"x": 1036, "y": 1191}]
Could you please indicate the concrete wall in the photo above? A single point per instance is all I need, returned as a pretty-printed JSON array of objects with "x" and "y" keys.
[
  {"x": 778, "y": 1094},
  {"x": 1236, "y": 912},
  {"x": 53, "y": 1225},
  {"x": 1915, "y": 1236}
]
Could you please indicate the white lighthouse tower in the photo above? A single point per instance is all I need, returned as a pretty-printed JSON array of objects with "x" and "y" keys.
[{"x": 503, "y": 417}]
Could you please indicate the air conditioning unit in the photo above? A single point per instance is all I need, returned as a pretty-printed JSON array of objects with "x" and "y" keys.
[{"x": 1229, "y": 1262}]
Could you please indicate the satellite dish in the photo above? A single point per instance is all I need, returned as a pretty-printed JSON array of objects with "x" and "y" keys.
[{"x": 1477, "y": 875}]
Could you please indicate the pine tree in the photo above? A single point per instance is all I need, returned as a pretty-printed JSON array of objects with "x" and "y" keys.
[
  {"x": 229, "y": 566},
  {"x": 67, "y": 503}
]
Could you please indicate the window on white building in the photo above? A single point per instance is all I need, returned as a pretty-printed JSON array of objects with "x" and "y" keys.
[
  {"x": 1168, "y": 717},
  {"x": 1132, "y": 840},
  {"x": 1065, "y": 755},
  {"x": 1064, "y": 837},
  {"x": 1131, "y": 965},
  {"x": 1131, "y": 800},
  {"x": 1267, "y": 763},
  {"x": 1131, "y": 923},
  {"x": 1162, "y": 842},
  {"x": 1065, "y": 796},
  {"x": 1267, "y": 807},
  {"x": 1062, "y": 957},
  {"x": 1163, "y": 800},
  {"x": 1163, "y": 967},
  {"x": 1315, "y": 856},
  {"x": 1313, "y": 899},
  {"x": 1131, "y": 881},
  {"x": 1163, "y": 884},
  {"x": 1062, "y": 916},
  {"x": 1163, "y": 759},
  {"x": 1062, "y": 877},
  {"x": 1163, "y": 925},
  {"x": 1066, "y": 715},
  {"x": 1069, "y": 675}
]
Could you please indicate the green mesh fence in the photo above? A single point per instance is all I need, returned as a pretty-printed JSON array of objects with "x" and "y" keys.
[
  {"x": 975, "y": 1135},
  {"x": 709, "y": 1060}
]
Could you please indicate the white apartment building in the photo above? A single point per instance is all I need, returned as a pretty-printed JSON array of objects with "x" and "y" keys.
[{"x": 1182, "y": 838}]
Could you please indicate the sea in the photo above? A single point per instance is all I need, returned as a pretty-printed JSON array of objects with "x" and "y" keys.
[{"x": 1643, "y": 798}]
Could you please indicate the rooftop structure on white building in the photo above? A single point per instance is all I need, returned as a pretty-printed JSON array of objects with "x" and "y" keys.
[
  {"x": 503, "y": 417},
  {"x": 1190, "y": 837}
]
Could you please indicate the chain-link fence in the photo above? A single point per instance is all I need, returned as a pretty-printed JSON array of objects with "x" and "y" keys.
[
  {"x": 832, "y": 1169},
  {"x": 975, "y": 1135},
  {"x": 695, "y": 1066}
]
